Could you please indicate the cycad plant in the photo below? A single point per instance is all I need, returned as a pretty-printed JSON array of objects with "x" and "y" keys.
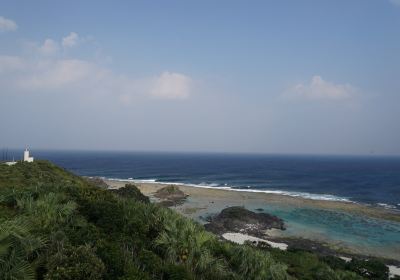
[
  {"x": 251, "y": 263},
  {"x": 18, "y": 249},
  {"x": 49, "y": 209},
  {"x": 186, "y": 243}
]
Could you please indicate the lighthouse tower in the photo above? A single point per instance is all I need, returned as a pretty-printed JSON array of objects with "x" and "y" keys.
[{"x": 27, "y": 158}]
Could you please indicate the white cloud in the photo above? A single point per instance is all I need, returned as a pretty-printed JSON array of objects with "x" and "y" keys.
[
  {"x": 55, "y": 72},
  {"x": 7, "y": 25},
  {"x": 49, "y": 47},
  {"x": 71, "y": 40},
  {"x": 319, "y": 89},
  {"x": 54, "y": 75},
  {"x": 171, "y": 86},
  {"x": 395, "y": 2},
  {"x": 59, "y": 74},
  {"x": 49, "y": 75}
]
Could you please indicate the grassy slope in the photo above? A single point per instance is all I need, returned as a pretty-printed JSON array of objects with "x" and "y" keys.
[{"x": 55, "y": 225}]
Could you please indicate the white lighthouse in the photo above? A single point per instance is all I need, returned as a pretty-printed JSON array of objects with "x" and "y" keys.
[{"x": 27, "y": 158}]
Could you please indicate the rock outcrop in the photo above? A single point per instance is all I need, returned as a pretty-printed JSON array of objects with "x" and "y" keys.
[
  {"x": 239, "y": 219},
  {"x": 170, "y": 196},
  {"x": 132, "y": 192}
]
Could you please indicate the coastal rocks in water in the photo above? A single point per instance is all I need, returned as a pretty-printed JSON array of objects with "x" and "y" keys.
[
  {"x": 132, "y": 192},
  {"x": 170, "y": 196},
  {"x": 238, "y": 219}
]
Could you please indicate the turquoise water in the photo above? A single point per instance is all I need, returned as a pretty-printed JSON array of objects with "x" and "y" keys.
[
  {"x": 342, "y": 230},
  {"x": 361, "y": 234}
]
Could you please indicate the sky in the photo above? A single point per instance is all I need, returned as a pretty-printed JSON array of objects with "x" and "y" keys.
[{"x": 290, "y": 77}]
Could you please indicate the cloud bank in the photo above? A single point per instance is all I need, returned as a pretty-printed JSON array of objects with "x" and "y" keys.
[
  {"x": 48, "y": 69},
  {"x": 71, "y": 40},
  {"x": 49, "y": 47},
  {"x": 171, "y": 86},
  {"x": 7, "y": 25},
  {"x": 319, "y": 89}
]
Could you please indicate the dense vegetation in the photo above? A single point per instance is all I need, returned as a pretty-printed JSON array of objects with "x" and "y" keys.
[{"x": 55, "y": 225}]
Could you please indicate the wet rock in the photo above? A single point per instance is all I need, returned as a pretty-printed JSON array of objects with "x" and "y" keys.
[{"x": 241, "y": 220}]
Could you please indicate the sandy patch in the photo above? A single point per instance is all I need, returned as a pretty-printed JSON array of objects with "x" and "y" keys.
[
  {"x": 240, "y": 238},
  {"x": 346, "y": 259},
  {"x": 393, "y": 271}
]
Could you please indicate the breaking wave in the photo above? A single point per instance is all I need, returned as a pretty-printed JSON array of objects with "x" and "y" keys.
[{"x": 306, "y": 195}]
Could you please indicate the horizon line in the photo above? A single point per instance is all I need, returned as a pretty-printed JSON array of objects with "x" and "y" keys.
[{"x": 205, "y": 152}]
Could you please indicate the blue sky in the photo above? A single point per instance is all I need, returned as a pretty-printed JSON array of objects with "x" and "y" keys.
[{"x": 228, "y": 76}]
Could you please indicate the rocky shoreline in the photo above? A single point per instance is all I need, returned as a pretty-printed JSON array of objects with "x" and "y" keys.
[
  {"x": 239, "y": 225},
  {"x": 219, "y": 210}
]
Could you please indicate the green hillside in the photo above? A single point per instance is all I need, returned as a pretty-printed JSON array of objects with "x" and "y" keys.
[{"x": 55, "y": 225}]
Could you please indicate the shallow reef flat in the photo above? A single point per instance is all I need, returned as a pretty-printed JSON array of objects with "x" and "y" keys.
[
  {"x": 231, "y": 196},
  {"x": 346, "y": 227}
]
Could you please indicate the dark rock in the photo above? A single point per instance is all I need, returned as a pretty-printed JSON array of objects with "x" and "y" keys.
[
  {"x": 207, "y": 218},
  {"x": 170, "y": 192},
  {"x": 170, "y": 196},
  {"x": 132, "y": 192},
  {"x": 239, "y": 219}
]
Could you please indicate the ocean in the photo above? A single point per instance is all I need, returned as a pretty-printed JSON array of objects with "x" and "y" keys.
[
  {"x": 367, "y": 180},
  {"x": 372, "y": 180}
]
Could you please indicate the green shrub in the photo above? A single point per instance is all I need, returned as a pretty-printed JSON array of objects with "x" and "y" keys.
[
  {"x": 176, "y": 272},
  {"x": 369, "y": 268},
  {"x": 75, "y": 263}
]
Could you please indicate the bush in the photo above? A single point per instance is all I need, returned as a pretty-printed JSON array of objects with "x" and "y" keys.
[
  {"x": 369, "y": 268},
  {"x": 75, "y": 263},
  {"x": 176, "y": 272},
  {"x": 334, "y": 262}
]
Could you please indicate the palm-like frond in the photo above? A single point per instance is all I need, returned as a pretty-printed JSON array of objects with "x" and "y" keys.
[
  {"x": 16, "y": 246},
  {"x": 48, "y": 209},
  {"x": 16, "y": 267},
  {"x": 183, "y": 241}
]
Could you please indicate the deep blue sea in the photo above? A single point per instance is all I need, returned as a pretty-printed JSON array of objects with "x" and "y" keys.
[{"x": 372, "y": 180}]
